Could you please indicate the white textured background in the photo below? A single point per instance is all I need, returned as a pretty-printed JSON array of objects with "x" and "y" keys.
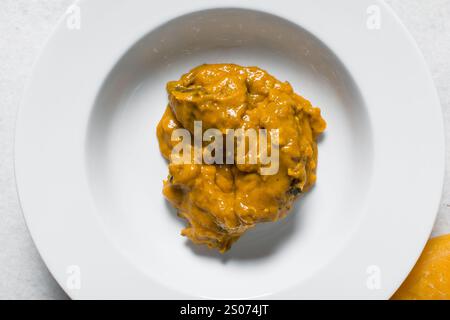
[{"x": 24, "y": 26}]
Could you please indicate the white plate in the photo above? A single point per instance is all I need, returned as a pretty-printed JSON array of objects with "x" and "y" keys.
[{"x": 89, "y": 172}]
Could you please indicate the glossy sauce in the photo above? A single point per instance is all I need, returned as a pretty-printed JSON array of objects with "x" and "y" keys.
[{"x": 221, "y": 202}]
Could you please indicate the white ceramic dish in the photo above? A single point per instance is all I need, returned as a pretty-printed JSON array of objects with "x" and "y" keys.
[{"x": 89, "y": 172}]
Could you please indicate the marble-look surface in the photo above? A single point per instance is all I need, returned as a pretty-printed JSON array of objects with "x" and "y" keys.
[{"x": 24, "y": 26}]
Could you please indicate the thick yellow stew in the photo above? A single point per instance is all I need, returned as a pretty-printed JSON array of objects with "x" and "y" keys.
[{"x": 221, "y": 201}]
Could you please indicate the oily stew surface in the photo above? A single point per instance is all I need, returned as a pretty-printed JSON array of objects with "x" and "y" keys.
[{"x": 221, "y": 201}]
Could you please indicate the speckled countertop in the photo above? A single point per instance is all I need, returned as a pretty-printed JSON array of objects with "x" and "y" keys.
[{"x": 24, "y": 26}]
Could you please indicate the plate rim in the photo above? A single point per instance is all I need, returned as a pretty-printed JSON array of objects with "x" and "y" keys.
[{"x": 19, "y": 149}]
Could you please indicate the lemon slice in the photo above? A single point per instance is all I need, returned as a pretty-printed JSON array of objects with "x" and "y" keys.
[{"x": 430, "y": 277}]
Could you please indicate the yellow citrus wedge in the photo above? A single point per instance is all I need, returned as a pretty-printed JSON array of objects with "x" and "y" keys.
[{"x": 430, "y": 277}]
